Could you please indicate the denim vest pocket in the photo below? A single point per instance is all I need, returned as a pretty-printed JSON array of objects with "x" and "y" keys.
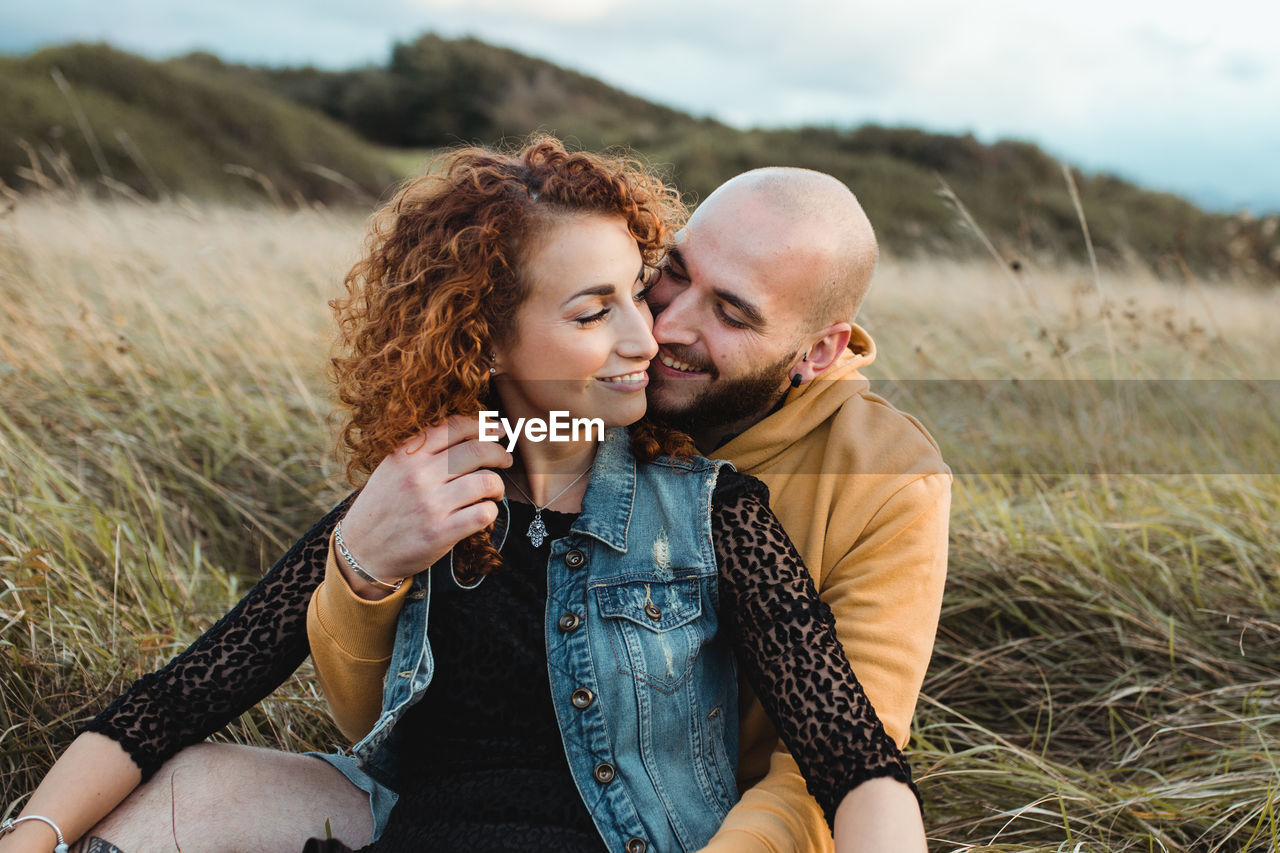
[{"x": 655, "y": 627}]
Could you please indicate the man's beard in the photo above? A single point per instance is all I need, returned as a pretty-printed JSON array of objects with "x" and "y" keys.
[{"x": 726, "y": 402}]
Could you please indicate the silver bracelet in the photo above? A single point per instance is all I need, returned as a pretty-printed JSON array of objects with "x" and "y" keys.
[
  {"x": 356, "y": 567},
  {"x": 9, "y": 825}
]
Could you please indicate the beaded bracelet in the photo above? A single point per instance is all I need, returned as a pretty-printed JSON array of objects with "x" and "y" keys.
[
  {"x": 11, "y": 824},
  {"x": 357, "y": 568}
]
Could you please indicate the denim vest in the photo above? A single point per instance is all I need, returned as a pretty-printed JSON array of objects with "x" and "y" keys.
[{"x": 645, "y": 688}]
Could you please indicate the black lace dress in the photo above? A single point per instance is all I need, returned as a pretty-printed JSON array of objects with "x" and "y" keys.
[{"x": 483, "y": 765}]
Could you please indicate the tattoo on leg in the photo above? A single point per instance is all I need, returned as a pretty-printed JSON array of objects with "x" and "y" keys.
[{"x": 95, "y": 844}]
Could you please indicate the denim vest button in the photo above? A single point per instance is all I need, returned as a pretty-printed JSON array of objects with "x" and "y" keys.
[
  {"x": 636, "y": 845},
  {"x": 582, "y": 699},
  {"x": 416, "y": 595},
  {"x": 604, "y": 773},
  {"x": 575, "y": 559},
  {"x": 569, "y": 622},
  {"x": 653, "y": 611}
]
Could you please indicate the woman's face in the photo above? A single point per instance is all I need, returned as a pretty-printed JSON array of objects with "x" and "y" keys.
[{"x": 583, "y": 336}]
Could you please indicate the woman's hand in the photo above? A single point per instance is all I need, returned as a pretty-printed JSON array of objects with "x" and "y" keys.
[
  {"x": 90, "y": 779},
  {"x": 879, "y": 816},
  {"x": 432, "y": 492}
]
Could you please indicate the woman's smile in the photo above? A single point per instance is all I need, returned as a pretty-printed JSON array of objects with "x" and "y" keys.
[{"x": 635, "y": 381}]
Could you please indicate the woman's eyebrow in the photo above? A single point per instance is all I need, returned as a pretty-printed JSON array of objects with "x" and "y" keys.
[
  {"x": 593, "y": 290},
  {"x": 600, "y": 289}
]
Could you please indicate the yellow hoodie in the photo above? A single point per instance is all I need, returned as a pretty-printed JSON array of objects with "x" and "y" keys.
[{"x": 863, "y": 492}]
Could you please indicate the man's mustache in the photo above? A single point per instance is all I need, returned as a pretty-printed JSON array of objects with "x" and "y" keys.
[{"x": 684, "y": 354}]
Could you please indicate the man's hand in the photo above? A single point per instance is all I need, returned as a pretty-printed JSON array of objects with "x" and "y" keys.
[{"x": 433, "y": 491}]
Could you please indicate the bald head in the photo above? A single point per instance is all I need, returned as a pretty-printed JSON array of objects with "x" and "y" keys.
[{"x": 817, "y": 220}]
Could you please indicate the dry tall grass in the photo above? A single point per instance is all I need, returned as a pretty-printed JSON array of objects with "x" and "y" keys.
[{"x": 1107, "y": 675}]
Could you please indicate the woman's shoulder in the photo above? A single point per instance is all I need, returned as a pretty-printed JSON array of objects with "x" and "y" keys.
[{"x": 733, "y": 486}]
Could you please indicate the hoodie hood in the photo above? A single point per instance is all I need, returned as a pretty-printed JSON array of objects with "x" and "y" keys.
[{"x": 804, "y": 408}]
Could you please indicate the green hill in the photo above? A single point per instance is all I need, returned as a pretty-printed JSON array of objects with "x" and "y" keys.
[
  {"x": 435, "y": 92},
  {"x": 331, "y": 136},
  {"x": 167, "y": 127}
]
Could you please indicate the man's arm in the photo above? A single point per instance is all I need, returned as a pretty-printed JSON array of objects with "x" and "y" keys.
[
  {"x": 886, "y": 594},
  {"x": 887, "y": 597},
  {"x": 351, "y": 643},
  {"x": 433, "y": 491}
]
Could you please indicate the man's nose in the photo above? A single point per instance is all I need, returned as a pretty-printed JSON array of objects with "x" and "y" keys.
[{"x": 673, "y": 322}]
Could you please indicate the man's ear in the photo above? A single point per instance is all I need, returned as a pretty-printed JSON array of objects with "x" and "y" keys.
[{"x": 824, "y": 348}]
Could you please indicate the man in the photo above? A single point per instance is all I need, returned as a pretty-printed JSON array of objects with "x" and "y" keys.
[{"x": 759, "y": 361}]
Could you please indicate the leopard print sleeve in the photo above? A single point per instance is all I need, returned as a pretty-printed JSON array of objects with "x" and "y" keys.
[
  {"x": 788, "y": 650},
  {"x": 248, "y": 653}
]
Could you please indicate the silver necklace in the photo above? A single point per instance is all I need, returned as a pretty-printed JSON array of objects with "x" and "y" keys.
[{"x": 537, "y": 531}]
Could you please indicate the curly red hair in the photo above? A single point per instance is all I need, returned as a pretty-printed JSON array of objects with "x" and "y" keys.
[{"x": 441, "y": 280}]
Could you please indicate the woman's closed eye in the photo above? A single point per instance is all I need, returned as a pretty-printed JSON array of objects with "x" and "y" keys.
[
  {"x": 593, "y": 319},
  {"x": 639, "y": 296}
]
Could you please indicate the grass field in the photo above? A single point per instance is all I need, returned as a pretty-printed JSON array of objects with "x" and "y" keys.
[{"x": 1107, "y": 674}]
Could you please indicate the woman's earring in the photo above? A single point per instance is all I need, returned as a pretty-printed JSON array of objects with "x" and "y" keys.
[
  {"x": 493, "y": 356},
  {"x": 492, "y": 370}
]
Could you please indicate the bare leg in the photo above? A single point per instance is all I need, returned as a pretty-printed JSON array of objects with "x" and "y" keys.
[{"x": 224, "y": 798}]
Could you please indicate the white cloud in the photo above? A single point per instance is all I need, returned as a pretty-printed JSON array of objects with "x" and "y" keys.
[
  {"x": 554, "y": 10},
  {"x": 1182, "y": 94}
]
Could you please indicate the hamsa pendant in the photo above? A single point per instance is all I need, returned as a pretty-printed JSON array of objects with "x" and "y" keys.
[{"x": 537, "y": 531}]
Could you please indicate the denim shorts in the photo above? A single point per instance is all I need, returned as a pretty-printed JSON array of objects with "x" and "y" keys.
[{"x": 381, "y": 798}]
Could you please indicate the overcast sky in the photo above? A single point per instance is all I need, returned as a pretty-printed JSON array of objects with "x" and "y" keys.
[{"x": 1174, "y": 95}]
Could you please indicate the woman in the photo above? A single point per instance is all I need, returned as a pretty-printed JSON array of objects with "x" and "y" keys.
[
  {"x": 497, "y": 236},
  {"x": 611, "y": 612}
]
